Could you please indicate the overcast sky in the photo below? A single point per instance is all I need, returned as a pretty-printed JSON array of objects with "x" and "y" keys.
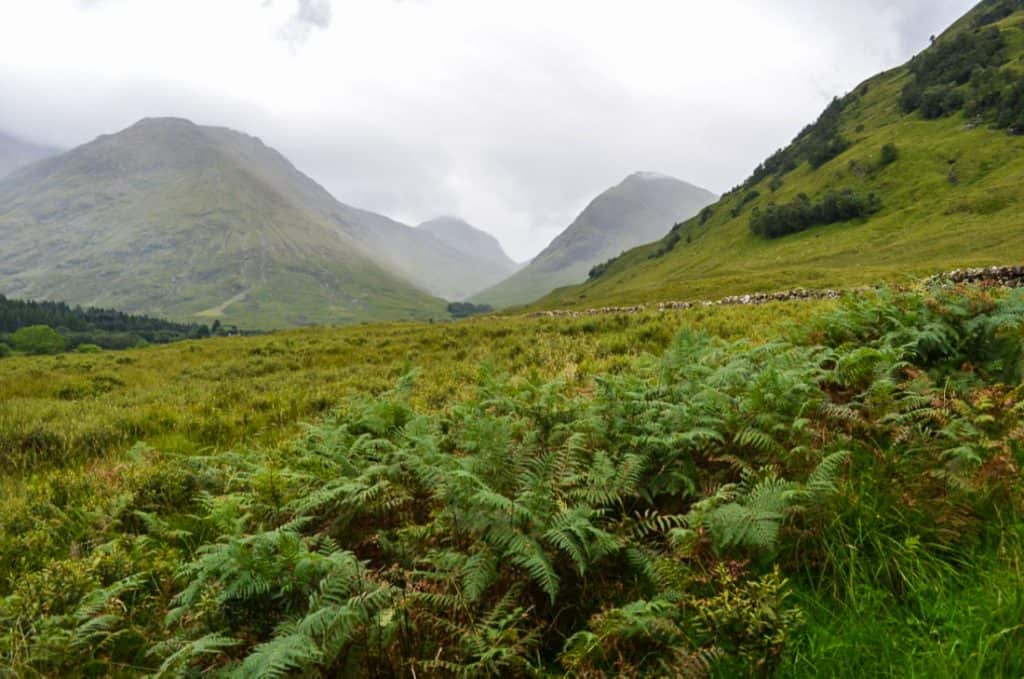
[{"x": 510, "y": 113}]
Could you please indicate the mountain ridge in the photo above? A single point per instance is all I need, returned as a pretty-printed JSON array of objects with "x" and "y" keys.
[
  {"x": 207, "y": 221},
  {"x": 641, "y": 207},
  {"x": 16, "y": 153}
]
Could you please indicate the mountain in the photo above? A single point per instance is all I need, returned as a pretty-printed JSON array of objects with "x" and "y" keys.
[
  {"x": 474, "y": 244},
  {"x": 917, "y": 170},
  {"x": 191, "y": 222},
  {"x": 416, "y": 254},
  {"x": 15, "y": 153},
  {"x": 641, "y": 208}
]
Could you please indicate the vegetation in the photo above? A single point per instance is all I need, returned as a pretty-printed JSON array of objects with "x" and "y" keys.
[
  {"x": 939, "y": 72},
  {"x": 598, "y": 269},
  {"x": 37, "y": 339},
  {"x": 466, "y": 309},
  {"x": 889, "y": 155},
  {"x": 779, "y": 220},
  {"x": 992, "y": 11},
  {"x": 104, "y": 328},
  {"x": 739, "y": 507}
]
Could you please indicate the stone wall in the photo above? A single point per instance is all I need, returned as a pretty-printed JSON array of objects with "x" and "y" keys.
[{"x": 1001, "y": 276}]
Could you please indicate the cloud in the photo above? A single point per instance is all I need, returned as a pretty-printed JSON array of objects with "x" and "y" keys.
[{"x": 310, "y": 14}]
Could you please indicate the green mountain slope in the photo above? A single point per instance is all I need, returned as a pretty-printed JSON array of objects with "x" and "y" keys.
[
  {"x": 170, "y": 218},
  {"x": 642, "y": 207},
  {"x": 15, "y": 153},
  {"x": 947, "y": 193}
]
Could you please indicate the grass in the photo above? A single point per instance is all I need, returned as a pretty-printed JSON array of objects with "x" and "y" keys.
[
  {"x": 134, "y": 464},
  {"x": 256, "y": 390},
  {"x": 928, "y": 223}
]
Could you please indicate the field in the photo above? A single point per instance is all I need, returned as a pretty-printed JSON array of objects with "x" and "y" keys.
[{"x": 730, "y": 491}]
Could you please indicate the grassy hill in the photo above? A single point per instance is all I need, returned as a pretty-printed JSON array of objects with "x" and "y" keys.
[
  {"x": 952, "y": 196},
  {"x": 173, "y": 219},
  {"x": 642, "y": 207}
]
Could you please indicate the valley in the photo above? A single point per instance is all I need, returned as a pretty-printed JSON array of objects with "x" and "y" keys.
[{"x": 248, "y": 429}]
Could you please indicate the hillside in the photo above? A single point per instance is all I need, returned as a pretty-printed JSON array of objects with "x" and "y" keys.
[
  {"x": 15, "y": 153},
  {"x": 476, "y": 245},
  {"x": 948, "y": 188},
  {"x": 201, "y": 223},
  {"x": 644, "y": 206}
]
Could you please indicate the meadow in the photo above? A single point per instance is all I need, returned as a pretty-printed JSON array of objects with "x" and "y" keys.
[{"x": 784, "y": 490}]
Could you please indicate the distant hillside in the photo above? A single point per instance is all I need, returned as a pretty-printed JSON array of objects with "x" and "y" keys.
[
  {"x": 201, "y": 223},
  {"x": 917, "y": 170},
  {"x": 641, "y": 208},
  {"x": 416, "y": 254},
  {"x": 476, "y": 245},
  {"x": 15, "y": 153}
]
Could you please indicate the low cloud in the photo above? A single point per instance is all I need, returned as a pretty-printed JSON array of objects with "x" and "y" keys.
[{"x": 309, "y": 15}]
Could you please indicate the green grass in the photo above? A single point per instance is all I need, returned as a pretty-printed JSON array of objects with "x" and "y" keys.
[
  {"x": 927, "y": 223},
  {"x": 804, "y": 488},
  {"x": 252, "y": 390}
]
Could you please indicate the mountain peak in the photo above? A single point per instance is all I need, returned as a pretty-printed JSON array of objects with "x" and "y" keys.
[
  {"x": 640, "y": 209},
  {"x": 163, "y": 122},
  {"x": 647, "y": 175},
  {"x": 462, "y": 236}
]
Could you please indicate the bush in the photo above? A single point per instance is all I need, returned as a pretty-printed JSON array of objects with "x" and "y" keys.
[
  {"x": 598, "y": 270},
  {"x": 889, "y": 155},
  {"x": 465, "y": 309},
  {"x": 88, "y": 349},
  {"x": 4, "y": 350},
  {"x": 940, "y": 101},
  {"x": 750, "y": 197},
  {"x": 801, "y": 214},
  {"x": 38, "y": 339}
]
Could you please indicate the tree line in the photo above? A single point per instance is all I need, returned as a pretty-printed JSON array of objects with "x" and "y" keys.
[{"x": 24, "y": 325}]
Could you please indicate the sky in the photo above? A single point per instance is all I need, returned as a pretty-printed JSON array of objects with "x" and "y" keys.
[{"x": 512, "y": 114}]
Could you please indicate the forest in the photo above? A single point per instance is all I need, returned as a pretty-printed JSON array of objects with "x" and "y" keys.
[{"x": 76, "y": 326}]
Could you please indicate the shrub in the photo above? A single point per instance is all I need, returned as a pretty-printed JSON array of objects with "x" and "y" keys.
[
  {"x": 38, "y": 339},
  {"x": 750, "y": 197},
  {"x": 800, "y": 214},
  {"x": 4, "y": 350},
  {"x": 88, "y": 349},
  {"x": 598, "y": 270},
  {"x": 889, "y": 155},
  {"x": 466, "y": 309}
]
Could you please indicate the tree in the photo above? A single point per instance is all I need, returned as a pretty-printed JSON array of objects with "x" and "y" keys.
[{"x": 38, "y": 339}]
